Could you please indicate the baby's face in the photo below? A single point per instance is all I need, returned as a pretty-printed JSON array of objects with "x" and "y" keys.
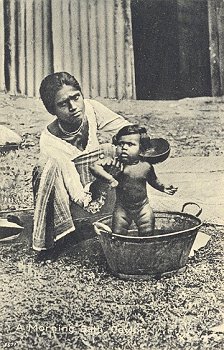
[{"x": 128, "y": 148}]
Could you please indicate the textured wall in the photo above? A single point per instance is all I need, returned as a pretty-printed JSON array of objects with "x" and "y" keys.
[
  {"x": 92, "y": 39},
  {"x": 216, "y": 32}
]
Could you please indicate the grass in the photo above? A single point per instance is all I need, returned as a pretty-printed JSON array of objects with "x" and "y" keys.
[{"x": 75, "y": 303}]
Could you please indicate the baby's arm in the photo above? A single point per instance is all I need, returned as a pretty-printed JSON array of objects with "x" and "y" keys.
[
  {"x": 98, "y": 171},
  {"x": 153, "y": 180}
]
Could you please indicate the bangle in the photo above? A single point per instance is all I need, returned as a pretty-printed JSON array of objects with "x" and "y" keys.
[{"x": 111, "y": 178}]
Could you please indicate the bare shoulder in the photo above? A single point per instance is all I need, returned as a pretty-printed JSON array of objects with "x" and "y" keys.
[{"x": 145, "y": 168}]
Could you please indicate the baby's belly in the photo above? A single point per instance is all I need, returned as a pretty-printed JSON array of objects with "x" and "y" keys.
[{"x": 130, "y": 195}]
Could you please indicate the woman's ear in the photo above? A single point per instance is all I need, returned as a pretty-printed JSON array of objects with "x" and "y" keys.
[{"x": 114, "y": 140}]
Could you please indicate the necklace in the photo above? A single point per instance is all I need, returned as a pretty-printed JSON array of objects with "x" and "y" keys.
[{"x": 70, "y": 133}]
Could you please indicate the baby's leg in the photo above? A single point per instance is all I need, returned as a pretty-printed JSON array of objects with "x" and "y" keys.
[
  {"x": 120, "y": 220},
  {"x": 145, "y": 221}
]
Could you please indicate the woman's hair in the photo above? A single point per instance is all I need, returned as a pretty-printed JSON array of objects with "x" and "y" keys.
[
  {"x": 134, "y": 129},
  {"x": 51, "y": 84}
]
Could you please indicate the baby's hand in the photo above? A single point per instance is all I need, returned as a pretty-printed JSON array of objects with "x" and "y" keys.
[
  {"x": 115, "y": 167},
  {"x": 170, "y": 189}
]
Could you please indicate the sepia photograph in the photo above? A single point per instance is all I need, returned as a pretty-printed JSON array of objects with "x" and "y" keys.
[{"x": 111, "y": 174}]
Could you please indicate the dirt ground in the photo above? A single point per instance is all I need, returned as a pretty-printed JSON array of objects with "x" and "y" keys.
[
  {"x": 194, "y": 127},
  {"x": 180, "y": 312}
]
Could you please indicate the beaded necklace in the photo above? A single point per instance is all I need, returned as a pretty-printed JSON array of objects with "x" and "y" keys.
[{"x": 70, "y": 134}]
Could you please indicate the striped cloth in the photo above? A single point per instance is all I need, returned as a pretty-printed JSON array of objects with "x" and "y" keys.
[
  {"x": 83, "y": 162},
  {"x": 52, "y": 216}
]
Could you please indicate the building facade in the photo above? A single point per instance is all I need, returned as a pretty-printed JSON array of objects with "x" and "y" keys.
[{"x": 123, "y": 49}]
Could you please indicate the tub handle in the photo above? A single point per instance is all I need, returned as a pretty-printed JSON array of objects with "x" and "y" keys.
[
  {"x": 15, "y": 219},
  {"x": 192, "y": 203}
]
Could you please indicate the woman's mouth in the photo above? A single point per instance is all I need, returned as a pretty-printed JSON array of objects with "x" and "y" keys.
[{"x": 76, "y": 114}]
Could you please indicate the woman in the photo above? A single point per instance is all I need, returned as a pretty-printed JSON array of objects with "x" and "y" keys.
[{"x": 73, "y": 134}]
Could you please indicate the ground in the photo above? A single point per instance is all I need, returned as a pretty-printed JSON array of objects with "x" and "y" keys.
[{"x": 75, "y": 302}]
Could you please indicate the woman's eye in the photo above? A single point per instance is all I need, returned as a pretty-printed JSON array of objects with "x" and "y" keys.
[{"x": 62, "y": 104}]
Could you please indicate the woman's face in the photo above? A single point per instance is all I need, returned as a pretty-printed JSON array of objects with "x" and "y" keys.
[{"x": 69, "y": 107}]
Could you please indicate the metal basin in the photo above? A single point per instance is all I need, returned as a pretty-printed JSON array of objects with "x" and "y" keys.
[
  {"x": 130, "y": 256},
  {"x": 9, "y": 230}
]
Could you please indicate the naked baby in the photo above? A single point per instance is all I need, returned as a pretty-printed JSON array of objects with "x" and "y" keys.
[{"x": 130, "y": 180}]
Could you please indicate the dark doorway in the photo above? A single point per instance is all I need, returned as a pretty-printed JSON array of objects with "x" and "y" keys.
[{"x": 171, "y": 48}]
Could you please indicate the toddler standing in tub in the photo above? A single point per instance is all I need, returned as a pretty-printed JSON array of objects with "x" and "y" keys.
[{"x": 130, "y": 180}]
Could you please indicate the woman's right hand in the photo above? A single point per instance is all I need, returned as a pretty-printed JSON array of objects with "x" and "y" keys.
[{"x": 85, "y": 200}]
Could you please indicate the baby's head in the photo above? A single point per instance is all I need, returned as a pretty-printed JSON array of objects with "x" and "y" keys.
[{"x": 131, "y": 141}]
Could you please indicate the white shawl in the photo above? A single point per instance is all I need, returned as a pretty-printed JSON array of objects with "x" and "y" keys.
[{"x": 63, "y": 152}]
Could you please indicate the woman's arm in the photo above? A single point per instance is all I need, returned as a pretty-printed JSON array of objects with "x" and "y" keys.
[{"x": 106, "y": 119}]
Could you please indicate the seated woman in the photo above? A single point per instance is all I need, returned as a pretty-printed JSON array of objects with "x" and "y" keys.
[{"x": 73, "y": 133}]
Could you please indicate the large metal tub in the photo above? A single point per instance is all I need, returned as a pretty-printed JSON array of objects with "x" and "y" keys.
[{"x": 130, "y": 256}]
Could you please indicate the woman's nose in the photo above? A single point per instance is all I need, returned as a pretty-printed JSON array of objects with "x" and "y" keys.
[{"x": 72, "y": 105}]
